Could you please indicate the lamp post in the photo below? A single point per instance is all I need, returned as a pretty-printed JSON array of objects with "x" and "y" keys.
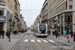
[{"x": 10, "y": 20}]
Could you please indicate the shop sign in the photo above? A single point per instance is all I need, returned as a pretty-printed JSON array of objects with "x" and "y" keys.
[
  {"x": 2, "y": 19},
  {"x": 59, "y": 26},
  {"x": 2, "y": 3}
]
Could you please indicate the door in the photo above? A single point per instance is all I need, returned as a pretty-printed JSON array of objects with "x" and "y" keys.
[{"x": 0, "y": 27}]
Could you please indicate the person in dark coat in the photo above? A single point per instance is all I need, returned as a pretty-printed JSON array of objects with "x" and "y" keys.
[
  {"x": 8, "y": 34},
  {"x": 3, "y": 34},
  {"x": 71, "y": 34},
  {"x": 74, "y": 36},
  {"x": 48, "y": 32},
  {"x": 56, "y": 33}
]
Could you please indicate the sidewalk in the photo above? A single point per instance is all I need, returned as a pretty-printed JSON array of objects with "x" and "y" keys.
[
  {"x": 6, "y": 45},
  {"x": 72, "y": 43},
  {"x": 64, "y": 40}
]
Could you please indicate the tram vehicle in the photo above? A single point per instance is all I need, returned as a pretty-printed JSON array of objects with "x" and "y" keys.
[{"x": 41, "y": 30}]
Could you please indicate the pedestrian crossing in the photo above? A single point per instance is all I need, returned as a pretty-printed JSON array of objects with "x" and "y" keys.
[{"x": 39, "y": 41}]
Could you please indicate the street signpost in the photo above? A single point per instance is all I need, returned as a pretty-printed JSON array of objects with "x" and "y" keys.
[
  {"x": 68, "y": 38},
  {"x": 10, "y": 20}
]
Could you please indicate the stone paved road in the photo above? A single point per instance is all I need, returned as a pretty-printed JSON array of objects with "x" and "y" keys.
[{"x": 30, "y": 42}]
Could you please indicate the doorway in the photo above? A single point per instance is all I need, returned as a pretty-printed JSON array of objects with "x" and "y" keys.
[{"x": 1, "y": 26}]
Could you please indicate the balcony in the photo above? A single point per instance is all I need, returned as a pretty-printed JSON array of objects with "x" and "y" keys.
[{"x": 2, "y": 3}]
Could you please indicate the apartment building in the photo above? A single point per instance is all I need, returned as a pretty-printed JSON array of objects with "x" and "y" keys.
[
  {"x": 38, "y": 19},
  {"x": 58, "y": 13},
  {"x": 16, "y": 14},
  {"x": 23, "y": 24},
  {"x": 44, "y": 12},
  {"x": 9, "y": 9}
]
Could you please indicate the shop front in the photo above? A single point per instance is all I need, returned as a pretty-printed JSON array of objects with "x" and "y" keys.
[
  {"x": 2, "y": 22},
  {"x": 68, "y": 16}
]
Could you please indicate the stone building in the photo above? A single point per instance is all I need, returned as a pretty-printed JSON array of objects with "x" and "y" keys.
[
  {"x": 9, "y": 9},
  {"x": 44, "y": 12},
  {"x": 23, "y": 24},
  {"x": 59, "y": 14},
  {"x": 59, "y": 11},
  {"x": 38, "y": 19}
]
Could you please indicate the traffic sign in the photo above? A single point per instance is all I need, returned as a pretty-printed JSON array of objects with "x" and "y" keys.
[
  {"x": 68, "y": 36},
  {"x": 48, "y": 25},
  {"x": 68, "y": 26},
  {"x": 54, "y": 20}
]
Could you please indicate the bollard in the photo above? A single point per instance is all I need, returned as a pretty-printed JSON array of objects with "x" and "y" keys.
[{"x": 68, "y": 41}]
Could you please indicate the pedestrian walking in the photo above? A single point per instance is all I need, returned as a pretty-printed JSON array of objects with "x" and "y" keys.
[
  {"x": 71, "y": 34},
  {"x": 74, "y": 36},
  {"x": 48, "y": 32},
  {"x": 65, "y": 33},
  {"x": 56, "y": 33},
  {"x": 3, "y": 34},
  {"x": 15, "y": 32},
  {"x": 53, "y": 31},
  {"x": 8, "y": 34}
]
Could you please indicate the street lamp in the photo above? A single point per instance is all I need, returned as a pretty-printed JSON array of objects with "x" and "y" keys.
[{"x": 10, "y": 20}]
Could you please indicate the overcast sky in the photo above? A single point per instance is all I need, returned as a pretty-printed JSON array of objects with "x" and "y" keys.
[{"x": 30, "y": 9}]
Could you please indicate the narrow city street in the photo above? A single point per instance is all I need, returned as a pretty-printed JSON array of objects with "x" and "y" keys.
[{"x": 30, "y": 42}]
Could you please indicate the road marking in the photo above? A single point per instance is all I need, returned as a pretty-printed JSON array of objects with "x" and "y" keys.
[
  {"x": 32, "y": 41},
  {"x": 45, "y": 41},
  {"x": 26, "y": 40},
  {"x": 38, "y": 41},
  {"x": 26, "y": 35},
  {"x": 51, "y": 41},
  {"x": 68, "y": 47}
]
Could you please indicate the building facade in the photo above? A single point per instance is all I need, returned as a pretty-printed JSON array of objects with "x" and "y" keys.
[
  {"x": 44, "y": 12},
  {"x": 23, "y": 24},
  {"x": 59, "y": 11},
  {"x": 59, "y": 14},
  {"x": 9, "y": 9},
  {"x": 38, "y": 19}
]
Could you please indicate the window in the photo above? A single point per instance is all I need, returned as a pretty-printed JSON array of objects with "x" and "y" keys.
[
  {"x": 70, "y": 4},
  {"x": 1, "y": 12},
  {"x": 59, "y": 19}
]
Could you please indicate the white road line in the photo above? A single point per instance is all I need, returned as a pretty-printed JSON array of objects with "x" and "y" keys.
[
  {"x": 26, "y": 35},
  {"x": 45, "y": 41},
  {"x": 51, "y": 41},
  {"x": 38, "y": 41},
  {"x": 32, "y": 41},
  {"x": 26, "y": 40},
  {"x": 68, "y": 47}
]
